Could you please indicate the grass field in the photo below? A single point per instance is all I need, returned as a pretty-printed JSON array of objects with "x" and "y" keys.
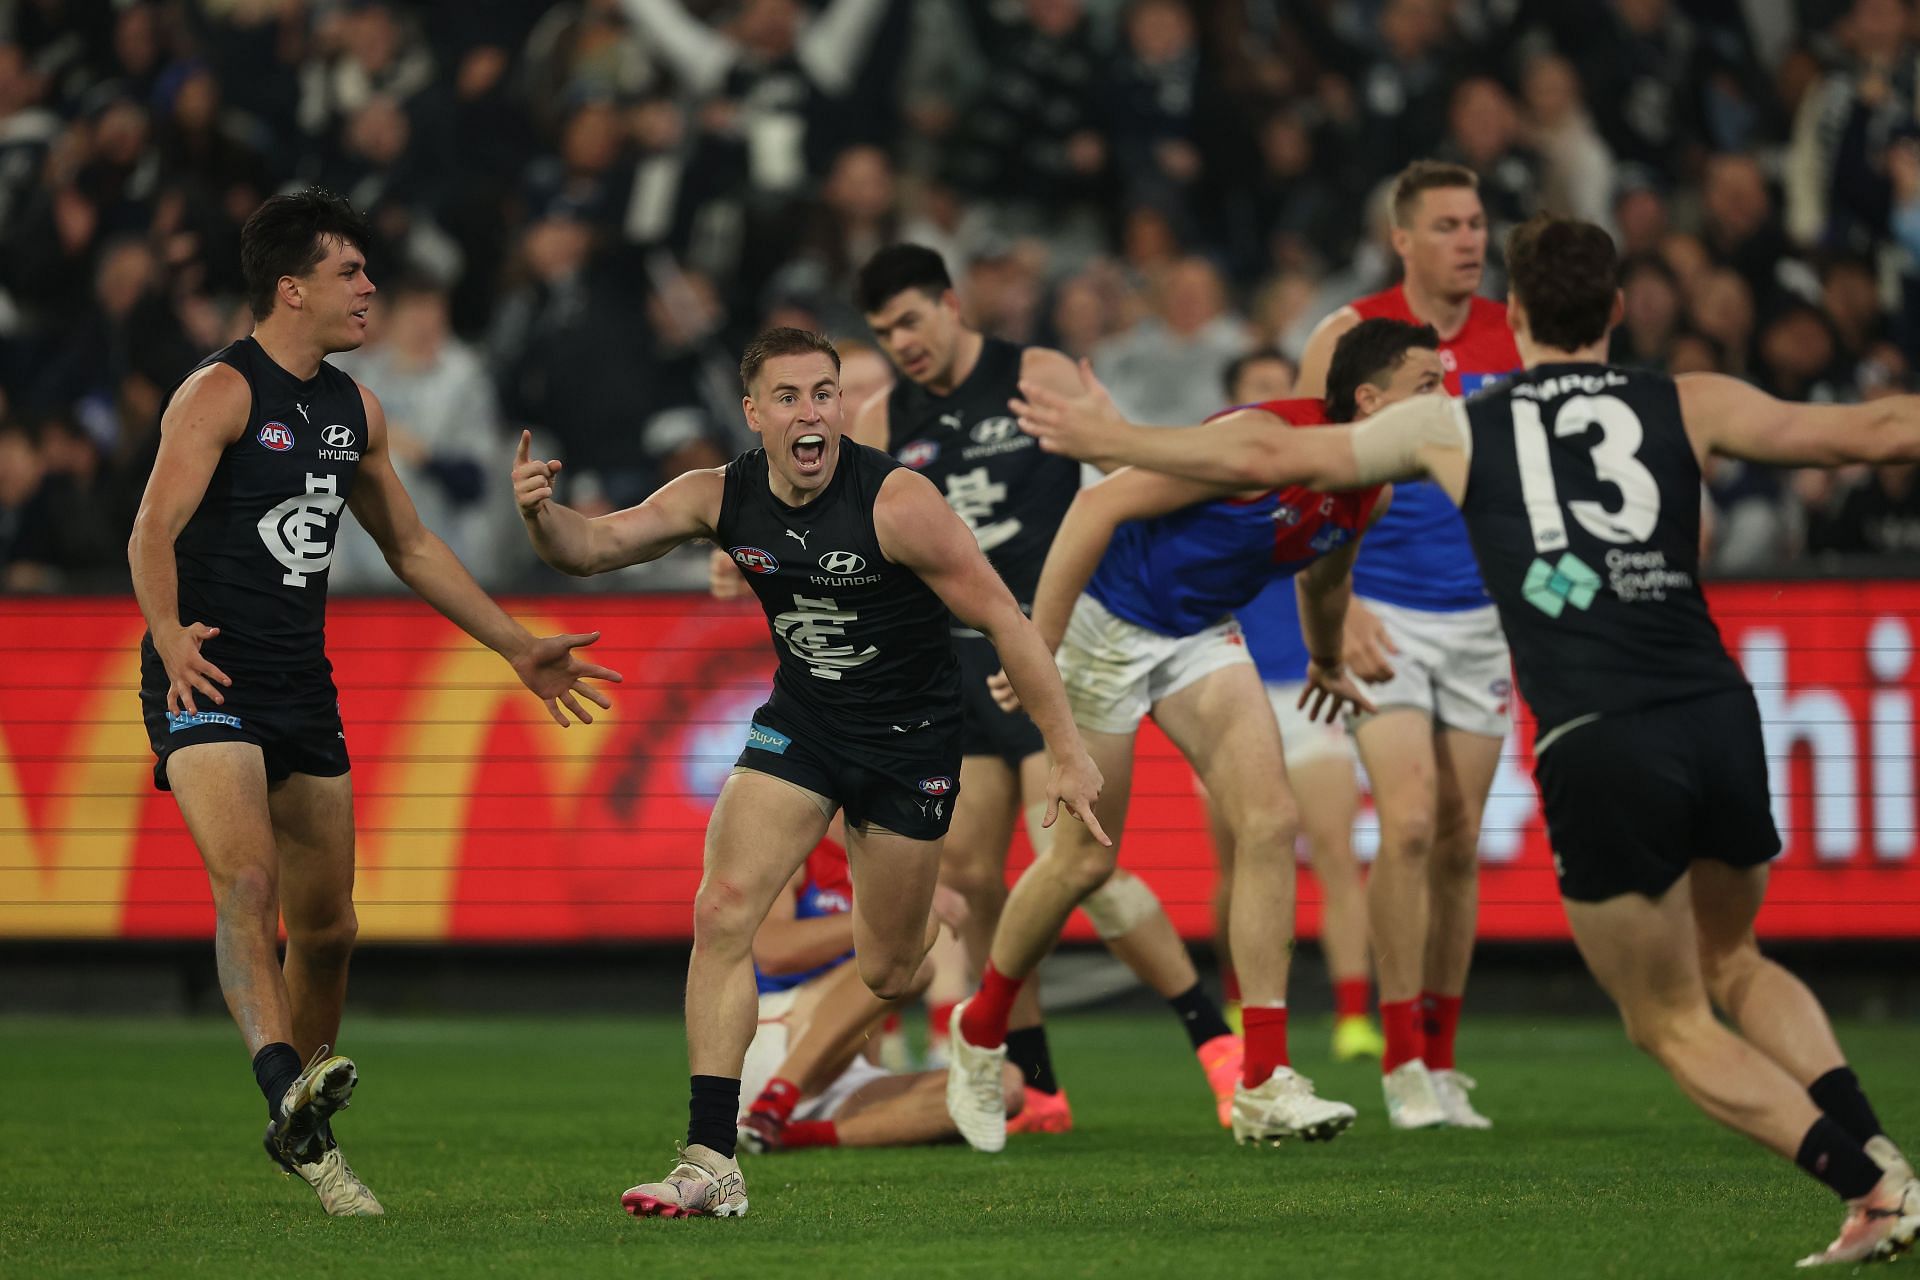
[{"x": 500, "y": 1147}]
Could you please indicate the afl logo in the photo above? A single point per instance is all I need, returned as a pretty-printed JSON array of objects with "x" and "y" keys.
[
  {"x": 995, "y": 431},
  {"x": 842, "y": 562},
  {"x": 277, "y": 436},
  {"x": 754, "y": 560},
  {"x": 338, "y": 437},
  {"x": 936, "y": 786},
  {"x": 920, "y": 453}
]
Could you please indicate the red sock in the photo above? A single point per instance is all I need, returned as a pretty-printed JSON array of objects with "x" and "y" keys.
[
  {"x": 778, "y": 1100},
  {"x": 809, "y": 1133},
  {"x": 1350, "y": 997},
  {"x": 1400, "y": 1022},
  {"x": 1229, "y": 983},
  {"x": 1439, "y": 1019},
  {"x": 940, "y": 1017},
  {"x": 984, "y": 1024},
  {"x": 1266, "y": 1043}
]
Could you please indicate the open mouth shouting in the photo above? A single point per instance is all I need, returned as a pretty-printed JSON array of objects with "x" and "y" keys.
[{"x": 810, "y": 453}]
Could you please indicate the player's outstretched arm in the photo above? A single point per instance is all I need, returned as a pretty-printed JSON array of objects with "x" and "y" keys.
[
  {"x": 1083, "y": 537},
  {"x": 1248, "y": 449},
  {"x": 207, "y": 415},
  {"x": 547, "y": 665},
  {"x": 919, "y": 531},
  {"x": 681, "y": 510},
  {"x": 1726, "y": 416}
]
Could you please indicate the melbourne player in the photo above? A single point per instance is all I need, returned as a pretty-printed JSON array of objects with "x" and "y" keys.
[
  {"x": 811, "y": 1083},
  {"x": 1580, "y": 486},
  {"x": 1137, "y": 598},
  {"x": 858, "y": 563},
  {"x": 1433, "y": 747},
  {"x": 1320, "y": 767},
  {"x": 260, "y": 448},
  {"x": 947, "y": 418}
]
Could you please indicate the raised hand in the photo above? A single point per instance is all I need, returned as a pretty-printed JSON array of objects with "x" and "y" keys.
[
  {"x": 557, "y": 675},
  {"x": 1080, "y": 423},
  {"x": 188, "y": 670},
  {"x": 1075, "y": 784},
  {"x": 532, "y": 478}
]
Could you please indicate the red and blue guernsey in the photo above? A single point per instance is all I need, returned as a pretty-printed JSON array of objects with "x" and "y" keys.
[
  {"x": 1180, "y": 573},
  {"x": 1419, "y": 557},
  {"x": 825, "y": 890}
]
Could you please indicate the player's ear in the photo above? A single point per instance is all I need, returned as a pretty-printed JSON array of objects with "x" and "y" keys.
[
  {"x": 1617, "y": 314},
  {"x": 753, "y": 414},
  {"x": 290, "y": 292}
]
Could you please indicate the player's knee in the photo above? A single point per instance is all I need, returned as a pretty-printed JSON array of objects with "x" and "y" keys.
[
  {"x": 326, "y": 942},
  {"x": 1266, "y": 831},
  {"x": 890, "y": 977},
  {"x": 1084, "y": 867},
  {"x": 1728, "y": 971},
  {"x": 1120, "y": 906},
  {"x": 247, "y": 893},
  {"x": 721, "y": 914},
  {"x": 975, "y": 879},
  {"x": 1408, "y": 833},
  {"x": 1663, "y": 1031}
]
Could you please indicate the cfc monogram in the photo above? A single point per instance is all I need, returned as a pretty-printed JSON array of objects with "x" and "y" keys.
[
  {"x": 815, "y": 629},
  {"x": 297, "y": 531}
]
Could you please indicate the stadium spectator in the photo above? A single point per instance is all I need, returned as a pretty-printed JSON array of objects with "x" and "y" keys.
[
  {"x": 1153, "y": 368},
  {"x": 1576, "y": 168}
]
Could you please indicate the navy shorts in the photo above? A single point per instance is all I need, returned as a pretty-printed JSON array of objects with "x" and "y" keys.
[
  {"x": 908, "y": 790},
  {"x": 292, "y": 716},
  {"x": 1633, "y": 800}
]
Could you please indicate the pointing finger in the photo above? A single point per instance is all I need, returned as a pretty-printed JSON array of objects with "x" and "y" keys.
[
  {"x": 1093, "y": 824},
  {"x": 525, "y": 452},
  {"x": 1053, "y": 811}
]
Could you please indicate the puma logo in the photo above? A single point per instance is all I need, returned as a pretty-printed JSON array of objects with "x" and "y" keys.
[{"x": 800, "y": 538}]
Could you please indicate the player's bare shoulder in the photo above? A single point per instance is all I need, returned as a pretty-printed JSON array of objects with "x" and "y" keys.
[{"x": 214, "y": 401}]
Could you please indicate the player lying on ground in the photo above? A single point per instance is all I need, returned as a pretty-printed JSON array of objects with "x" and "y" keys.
[
  {"x": 808, "y": 1070},
  {"x": 1580, "y": 485},
  {"x": 1137, "y": 598},
  {"x": 858, "y": 564},
  {"x": 1320, "y": 768},
  {"x": 260, "y": 448}
]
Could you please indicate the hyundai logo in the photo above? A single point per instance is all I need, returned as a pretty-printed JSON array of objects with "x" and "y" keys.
[
  {"x": 338, "y": 437},
  {"x": 996, "y": 431},
  {"x": 842, "y": 562}
]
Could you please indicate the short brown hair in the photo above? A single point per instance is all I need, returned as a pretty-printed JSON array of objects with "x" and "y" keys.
[
  {"x": 783, "y": 342},
  {"x": 1564, "y": 273},
  {"x": 1427, "y": 175}
]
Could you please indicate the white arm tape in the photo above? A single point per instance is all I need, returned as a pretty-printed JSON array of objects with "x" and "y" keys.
[{"x": 1388, "y": 446}]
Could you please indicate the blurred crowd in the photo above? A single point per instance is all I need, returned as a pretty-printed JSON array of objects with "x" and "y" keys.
[{"x": 582, "y": 208}]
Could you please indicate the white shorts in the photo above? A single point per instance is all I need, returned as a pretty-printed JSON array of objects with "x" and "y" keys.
[
  {"x": 1453, "y": 666},
  {"x": 771, "y": 1042},
  {"x": 1115, "y": 671},
  {"x": 1303, "y": 741}
]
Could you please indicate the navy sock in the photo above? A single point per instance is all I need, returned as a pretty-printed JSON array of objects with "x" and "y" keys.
[
  {"x": 1199, "y": 1015},
  {"x": 1027, "y": 1050},
  {"x": 1834, "y": 1156},
  {"x": 1838, "y": 1094},
  {"x": 275, "y": 1068},
  {"x": 713, "y": 1114}
]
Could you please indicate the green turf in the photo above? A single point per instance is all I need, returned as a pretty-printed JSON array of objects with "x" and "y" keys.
[{"x": 500, "y": 1146}]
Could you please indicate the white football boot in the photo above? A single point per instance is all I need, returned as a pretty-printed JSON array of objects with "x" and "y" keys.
[
  {"x": 1412, "y": 1100},
  {"x": 1286, "y": 1107},
  {"x": 976, "y": 1093},
  {"x": 705, "y": 1184},
  {"x": 1450, "y": 1088}
]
